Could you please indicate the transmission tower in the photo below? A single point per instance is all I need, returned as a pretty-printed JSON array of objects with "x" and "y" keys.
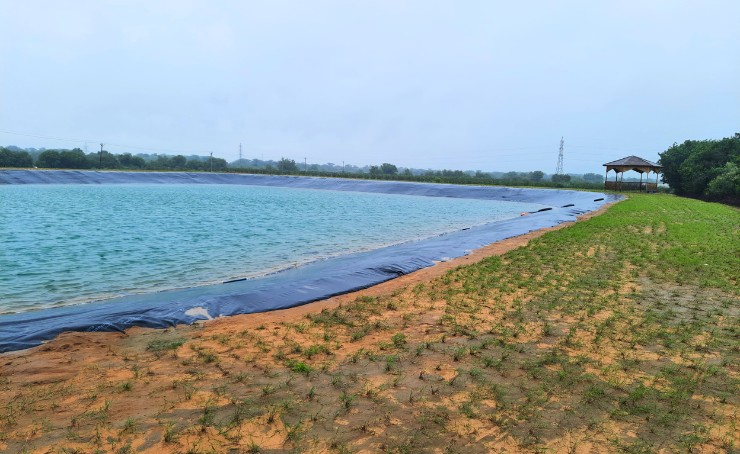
[{"x": 559, "y": 168}]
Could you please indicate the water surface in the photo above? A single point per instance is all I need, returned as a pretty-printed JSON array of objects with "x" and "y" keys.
[{"x": 68, "y": 244}]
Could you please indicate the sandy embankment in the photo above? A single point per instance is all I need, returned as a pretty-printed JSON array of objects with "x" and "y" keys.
[{"x": 80, "y": 383}]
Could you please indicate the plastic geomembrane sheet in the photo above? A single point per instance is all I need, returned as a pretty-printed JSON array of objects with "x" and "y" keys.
[{"x": 293, "y": 287}]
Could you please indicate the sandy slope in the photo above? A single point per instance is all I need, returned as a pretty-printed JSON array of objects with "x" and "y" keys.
[{"x": 110, "y": 391}]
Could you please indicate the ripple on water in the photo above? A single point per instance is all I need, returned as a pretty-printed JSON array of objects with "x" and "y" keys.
[{"x": 67, "y": 244}]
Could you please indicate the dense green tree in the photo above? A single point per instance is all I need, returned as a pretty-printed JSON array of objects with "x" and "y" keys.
[
  {"x": 537, "y": 175},
  {"x": 388, "y": 169},
  {"x": 671, "y": 160},
  {"x": 49, "y": 159},
  {"x": 218, "y": 164},
  {"x": 178, "y": 162},
  {"x": 161, "y": 163},
  {"x": 692, "y": 167},
  {"x": 193, "y": 164},
  {"x": 560, "y": 178},
  {"x": 726, "y": 184},
  {"x": 593, "y": 177},
  {"x": 131, "y": 162},
  {"x": 451, "y": 173},
  {"x": 73, "y": 159},
  {"x": 287, "y": 166},
  {"x": 103, "y": 160},
  {"x": 12, "y": 158}
]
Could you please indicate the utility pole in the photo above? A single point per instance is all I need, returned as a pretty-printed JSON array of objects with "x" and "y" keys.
[
  {"x": 211, "y": 161},
  {"x": 342, "y": 166},
  {"x": 101, "y": 157},
  {"x": 241, "y": 163},
  {"x": 305, "y": 163},
  {"x": 559, "y": 168}
]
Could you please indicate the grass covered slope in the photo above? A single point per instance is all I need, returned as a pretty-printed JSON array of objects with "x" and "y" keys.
[{"x": 617, "y": 333}]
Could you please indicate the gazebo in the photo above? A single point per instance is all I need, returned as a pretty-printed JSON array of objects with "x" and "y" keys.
[{"x": 632, "y": 163}]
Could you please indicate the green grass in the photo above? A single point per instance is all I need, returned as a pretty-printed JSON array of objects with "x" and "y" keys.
[
  {"x": 299, "y": 367},
  {"x": 164, "y": 345},
  {"x": 663, "y": 271}
]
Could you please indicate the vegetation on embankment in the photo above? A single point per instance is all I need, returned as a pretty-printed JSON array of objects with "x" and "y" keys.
[{"x": 618, "y": 333}]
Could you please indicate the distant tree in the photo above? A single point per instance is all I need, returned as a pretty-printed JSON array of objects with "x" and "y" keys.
[
  {"x": 536, "y": 176},
  {"x": 287, "y": 166},
  {"x": 109, "y": 160},
  {"x": 15, "y": 158},
  {"x": 558, "y": 178},
  {"x": 178, "y": 162},
  {"x": 49, "y": 159},
  {"x": 162, "y": 162},
  {"x": 375, "y": 171},
  {"x": 73, "y": 159},
  {"x": 197, "y": 165},
  {"x": 388, "y": 169},
  {"x": 131, "y": 162},
  {"x": 512, "y": 176},
  {"x": 451, "y": 173},
  {"x": 407, "y": 172},
  {"x": 218, "y": 164},
  {"x": 593, "y": 177}
]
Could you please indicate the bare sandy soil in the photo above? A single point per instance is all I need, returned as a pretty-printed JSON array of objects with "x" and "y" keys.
[{"x": 380, "y": 370}]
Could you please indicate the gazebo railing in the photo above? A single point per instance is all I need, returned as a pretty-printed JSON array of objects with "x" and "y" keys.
[{"x": 630, "y": 186}]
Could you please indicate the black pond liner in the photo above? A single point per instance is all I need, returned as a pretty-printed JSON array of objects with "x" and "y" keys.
[{"x": 292, "y": 287}]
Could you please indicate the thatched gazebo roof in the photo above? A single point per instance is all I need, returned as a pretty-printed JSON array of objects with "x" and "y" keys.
[{"x": 632, "y": 163}]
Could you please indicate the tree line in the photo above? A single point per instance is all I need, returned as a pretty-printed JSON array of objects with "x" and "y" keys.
[
  {"x": 387, "y": 171},
  {"x": 706, "y": 169},
  {"x": 78, "y": 159}
]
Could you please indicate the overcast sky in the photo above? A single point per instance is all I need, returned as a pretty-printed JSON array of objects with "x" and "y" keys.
[{"x": 489, "y": 85}]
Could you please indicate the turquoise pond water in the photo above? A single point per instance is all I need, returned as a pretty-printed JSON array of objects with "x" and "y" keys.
[{"x": 69, "y": 244}]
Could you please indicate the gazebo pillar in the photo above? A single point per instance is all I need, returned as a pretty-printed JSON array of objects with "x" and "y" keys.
[{"x": 656, "y": 181}]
